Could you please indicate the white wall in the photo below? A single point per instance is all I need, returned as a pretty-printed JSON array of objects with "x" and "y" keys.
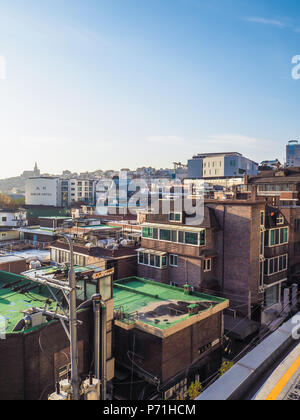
[
  {"x": 42, "y": 192},
  {"x": 12, "y": 219}
]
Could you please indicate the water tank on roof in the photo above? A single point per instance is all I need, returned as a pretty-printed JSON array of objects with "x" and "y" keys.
[{"x": 34, "y": 265}]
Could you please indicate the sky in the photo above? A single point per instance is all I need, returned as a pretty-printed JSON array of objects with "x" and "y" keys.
[{"x": 109, "y": 84}]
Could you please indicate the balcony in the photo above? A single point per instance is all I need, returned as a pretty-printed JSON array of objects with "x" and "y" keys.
[
  {"x": 275, "y": 278},
  {"x": 173, "y": 247}
]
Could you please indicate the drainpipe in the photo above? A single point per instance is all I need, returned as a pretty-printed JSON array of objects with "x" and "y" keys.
[
  {"x": 100, "y": 342},
  {"x": 223, "y": 248},
  {"x": 103, "y": 350},
  {"x": 97, "y": 348},
  {"x": 73, "y": 323}
]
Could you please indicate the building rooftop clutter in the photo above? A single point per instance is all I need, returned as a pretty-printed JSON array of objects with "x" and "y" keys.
[
  {"x": 18, "y": 293},
  {"x": 33, "y": 255},
  {"x": 13, "y": 302},
  {"x": 159, "y": 308}
]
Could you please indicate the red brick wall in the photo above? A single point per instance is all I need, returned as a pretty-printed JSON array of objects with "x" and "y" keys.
[{"x": 16, "y": 267}]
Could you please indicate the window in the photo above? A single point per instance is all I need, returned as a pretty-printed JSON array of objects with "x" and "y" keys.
[
  {"x": 157, "y": 261},
  {"x": 155, "y": 233},
  {"x": 261, "y": 273},
  {"x": 175, "y": 217},
  {"x": 147, "y": 232},
  {"x": 175, "y": 236},
  {"x": 262, "y": 242},
  {"x": 143, "y": 258},
  {"x": 278, "y": 236},
  {"x": 276, "y": 265},
  {"x": 181, "y": 237},
  {"x": 202, "y": 238},
  {"x": 280, "y": 219},
  {"x": 207, "y": 265},
  {"x": 262, "y": 218},
  {"x": 152, "y": 260},
  {"x": 165, "y": 235},
  {"x": 173, "y": 260},
  {"x": 272, "y": 295},
  {"x": 191, "y": 238}
]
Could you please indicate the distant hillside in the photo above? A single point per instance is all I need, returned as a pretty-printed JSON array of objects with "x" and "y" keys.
[{"x": 7, "y": 185}]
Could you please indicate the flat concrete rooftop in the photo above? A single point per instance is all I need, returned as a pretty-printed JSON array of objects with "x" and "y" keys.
[
  {"x": 159, "y": 305},
  {"x": 15, "y": 296},
  {"x": 13, "y": 302}
]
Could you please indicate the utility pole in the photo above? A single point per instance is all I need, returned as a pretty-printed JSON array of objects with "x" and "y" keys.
[
  {"x": 73, "y": 322},
  {"x": 69, "y": 291}
]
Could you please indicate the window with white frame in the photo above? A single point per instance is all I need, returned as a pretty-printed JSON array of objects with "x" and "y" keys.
[
  {"x": 276, "y": 265},
  {"x": 176, "y": 236},
  {"x": 262, "y": 218},
  {"x": 152, "y": 260},
  {"x": 207, "y": 265},
  {"x": 280, "y": 219},
  {"x": 175, "y": 217},
  {"x": 173, "y": 260},
  {"x": 261, "y": 273},
  {"x": 278, "y": 236}
]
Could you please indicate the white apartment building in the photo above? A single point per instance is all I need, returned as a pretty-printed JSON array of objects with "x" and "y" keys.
[
  {"x": 13, "y": 218},
  {"x": 43, "y": 191},
  {"x": 59, "y": 192}
]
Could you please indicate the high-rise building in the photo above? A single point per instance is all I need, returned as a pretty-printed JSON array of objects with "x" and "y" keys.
[{"x": 293, "y": 153}]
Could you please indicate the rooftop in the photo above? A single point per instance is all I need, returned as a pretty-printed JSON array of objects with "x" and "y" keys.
[
  {"x": 4, "y": 259},
  {"x": 205, "y": 155},
  {"x": 18, "y": 293},
  {"x": 160, "y": 308},
  {"x": 13, "y": 302}
]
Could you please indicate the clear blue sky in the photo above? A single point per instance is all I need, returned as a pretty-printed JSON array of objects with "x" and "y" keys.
[{"x": 100, "y": 84}]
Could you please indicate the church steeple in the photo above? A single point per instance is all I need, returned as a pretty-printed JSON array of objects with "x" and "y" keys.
[{"x": 36, "y": 170}]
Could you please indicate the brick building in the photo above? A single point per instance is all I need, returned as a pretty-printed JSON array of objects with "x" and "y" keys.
[
  {"x": 123, "y": 259},
  {"x": 177, "y": 253},
  {"x": 239, "y": 251},
  {"x": 164, "y": 338}
]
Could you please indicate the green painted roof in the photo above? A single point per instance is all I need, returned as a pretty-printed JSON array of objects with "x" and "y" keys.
[
  {"x": 13, "y": 303},
  {"x": 133, "y": 294}
]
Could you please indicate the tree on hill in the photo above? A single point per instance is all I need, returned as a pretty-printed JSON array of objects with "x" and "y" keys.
[{"x": 8, "y": 203}]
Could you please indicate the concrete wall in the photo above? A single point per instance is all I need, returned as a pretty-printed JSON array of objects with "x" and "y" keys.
[
  {"x": 9, "y": 235},
  {"x": 42, "y": 192},
  {"x": 195, "y": 168}
]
